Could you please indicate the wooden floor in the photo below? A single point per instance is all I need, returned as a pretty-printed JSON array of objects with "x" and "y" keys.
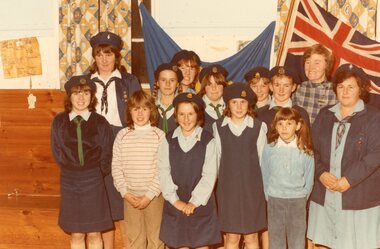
[{"x": 31, "y": 223}]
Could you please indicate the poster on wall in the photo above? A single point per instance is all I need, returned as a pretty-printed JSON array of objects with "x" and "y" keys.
[{"x": 20, "y": 57}]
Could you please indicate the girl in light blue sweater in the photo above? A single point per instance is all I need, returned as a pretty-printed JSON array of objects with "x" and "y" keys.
[{"x": 288, "y": 172}]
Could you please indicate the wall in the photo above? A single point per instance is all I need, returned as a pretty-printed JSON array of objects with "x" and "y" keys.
[{"x": 39, "y": 19}]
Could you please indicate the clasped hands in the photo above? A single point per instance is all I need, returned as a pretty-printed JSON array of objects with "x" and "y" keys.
[
  {"x": 139, "y": 202},
  {"x": 334, "y": 184},
  {"x": 186, "y": 208}
]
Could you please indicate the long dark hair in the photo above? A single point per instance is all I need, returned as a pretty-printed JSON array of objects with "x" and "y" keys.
[{"x": 303, "y": 134}]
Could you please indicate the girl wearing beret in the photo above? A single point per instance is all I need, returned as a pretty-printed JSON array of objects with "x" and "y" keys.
[
  {"x": 81, "y": 142},
  {"x": 258, "y": 79},
  {"x": 189, "y": 63},
  {"x": 213, "y": 80},
  {"x": 187, "y": 169},
  {"x": 345, "y": 203},
  {"x": 167, "y": 77},
  {"x": 240, "y": 139},
  {"x": 113, "y": 88}
]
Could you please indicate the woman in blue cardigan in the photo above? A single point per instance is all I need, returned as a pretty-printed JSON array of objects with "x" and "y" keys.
[{"x": 345, "y": 202}]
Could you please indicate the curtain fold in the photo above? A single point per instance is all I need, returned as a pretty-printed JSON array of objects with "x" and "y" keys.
[
  {"x": 78, "y": 22},
  {"x": 160, "y": 47}
]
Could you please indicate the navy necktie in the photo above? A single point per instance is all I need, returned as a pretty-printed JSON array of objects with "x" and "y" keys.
[{"x": 104, "y": 101}]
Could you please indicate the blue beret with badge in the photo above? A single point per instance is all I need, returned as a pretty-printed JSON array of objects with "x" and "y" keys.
[
  {"x": 80, "y": 80},
  {"x": 189, "y": 97},
  {"x": 107, "y": 38},
  {"x": 257, "y": 73},
  {"x": 286, "y": 71},
  {"x": 351, "y": 68},
  {"x": 171, "y": 67},
  {"x": 213, "y": 69},
  {"x": 241, "y": 91}
]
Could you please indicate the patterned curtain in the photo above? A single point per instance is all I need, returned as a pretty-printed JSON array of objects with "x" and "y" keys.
[
  {"x": 78, "y": 21},
  {"x": 359, "y": 14}
]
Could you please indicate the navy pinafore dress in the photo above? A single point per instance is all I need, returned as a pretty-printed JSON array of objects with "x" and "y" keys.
[
  {"x": 240, "y": 192},
  {"x": 201, "y": 228}
]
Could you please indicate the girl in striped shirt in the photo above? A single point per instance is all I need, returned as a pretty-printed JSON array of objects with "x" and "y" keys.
[{"x": 134, "y": 170}]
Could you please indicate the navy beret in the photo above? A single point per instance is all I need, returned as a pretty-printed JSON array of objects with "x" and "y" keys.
[
  {"x": 107, "y": 38},
  {"x": 287, "y": 71},
  {"x": 257, "y": 72},
  {"x": 185, "y": 55},
  {"x": 79, "y": 80},
  {"x": 171, "y": 67},
  {"x": 214, "y": 68},
  {"x": 350, "y": 68},
  {"x": 189, "y": 97},
  {"x": 241, "y": 91}
]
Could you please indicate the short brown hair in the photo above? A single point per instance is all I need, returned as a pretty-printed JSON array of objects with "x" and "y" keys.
[
  {"x": 362, "y": 83},
  {"x": 107, "y": 49},
  {"x": 251, "y": 110},
  {"x": 198, "y": 110},
  {"x": 322, "y": 50},
  {"x": 78, "y": 88},
  {"x": 219, "y": 80},
  {"x": 141, "y": 99}
]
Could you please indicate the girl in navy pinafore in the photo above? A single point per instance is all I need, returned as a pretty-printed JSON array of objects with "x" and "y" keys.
[
  {"x": 240, "y": 139},
  {"x": 187, "y": 170}
]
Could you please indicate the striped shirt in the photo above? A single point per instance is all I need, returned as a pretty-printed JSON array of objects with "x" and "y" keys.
[{"x": 134, "y": 161}]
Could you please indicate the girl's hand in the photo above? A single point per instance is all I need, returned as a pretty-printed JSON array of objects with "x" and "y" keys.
[
  {"x": 143, "y": 202},
  {"x": 133, "y": 200},
  {"x": 328, "y": 180},
  {"x": 342, "y": 185},
  {"x": 180, "y": 205},
  {"x": 189, "y": 209}
]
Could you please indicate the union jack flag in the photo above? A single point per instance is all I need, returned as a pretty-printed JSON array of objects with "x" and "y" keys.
[{"x": 309, "y": 24}]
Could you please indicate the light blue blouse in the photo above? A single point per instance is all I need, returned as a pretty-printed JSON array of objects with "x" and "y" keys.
[{"x": 334, "y": 227}]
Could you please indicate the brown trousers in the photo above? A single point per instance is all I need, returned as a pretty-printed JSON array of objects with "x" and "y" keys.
[{"x": 143, "y": 226}]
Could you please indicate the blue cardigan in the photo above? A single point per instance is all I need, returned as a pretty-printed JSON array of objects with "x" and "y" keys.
[{"x": 360, "y": 161}]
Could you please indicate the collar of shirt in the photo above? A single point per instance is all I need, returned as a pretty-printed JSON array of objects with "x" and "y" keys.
[
  {"x": 272, "y": 104},
  {"x": 210, "y": 110},
  {"x": 248, "y": 121},
  {"x": 359, "y": 106},
  {"x": 282, "y": 143},
  {"x": 115, "y": 73},
  {"x": 85, "y": 115},
  {"x": 324, "y": 84},
  {"x": 195, "y": 135},
  {"x": 158, "y": 103},
  {"x": 264, "y": 102}
]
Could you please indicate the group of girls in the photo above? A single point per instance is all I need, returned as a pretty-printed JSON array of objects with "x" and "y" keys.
[{"x": 213, "y": 172}]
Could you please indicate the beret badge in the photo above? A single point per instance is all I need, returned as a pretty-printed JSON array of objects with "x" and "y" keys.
[
  {"x": 82, "y": 81},
  {"x": 281, "y": 70},
  {"x": 189, "y": 96},
  {"x": 257, "y": 75},
  {"x": 243, "y": 94}
]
